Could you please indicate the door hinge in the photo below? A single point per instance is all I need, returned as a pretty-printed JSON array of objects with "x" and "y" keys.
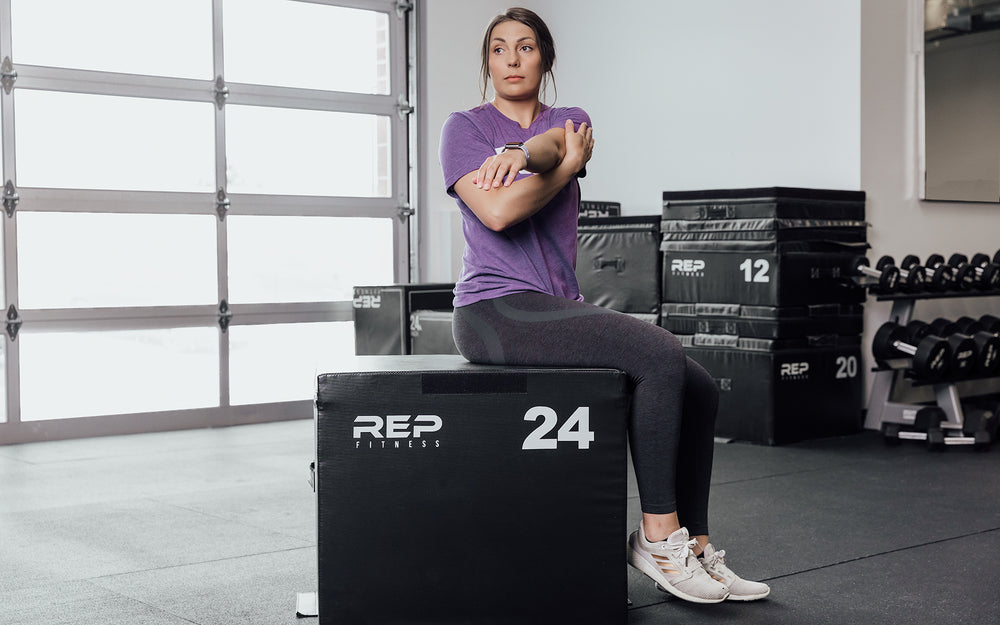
[
  {"x": 13, "y": 322},
  {"x": 225, "y": 316},
  {"x": 221, "y": 204},
  {"x": 10, "y": 198},
  {"x": 221, "y": 92},
  {"x": 403, "y": 107},
  {"x": 403, "y": 7},
  {"x": 7, "y": 75},
  {"x": 404, "y": 212}
]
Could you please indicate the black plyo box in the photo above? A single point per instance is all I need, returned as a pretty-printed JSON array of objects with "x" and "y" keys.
[
  {"x": 431, "y": 332},
  {"x": 781, "y": 202},
  {"x": 724, "y": 273},
  {"x": 618, "y": 263},
  {"x": 382, "y": 314},
  {"x": 594, "y": 208},
  {"x": 778, "y": 396},
  {"x": 766, "y": 229},
  {"x": 442, "y": 486},
  {"x": 768, "y": 322}
]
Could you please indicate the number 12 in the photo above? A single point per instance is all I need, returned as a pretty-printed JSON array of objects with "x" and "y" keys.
[{"x": 762, "y": 267}]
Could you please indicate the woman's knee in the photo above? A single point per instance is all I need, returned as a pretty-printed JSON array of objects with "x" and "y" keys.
[
  {"x": 663, "y": 348},
  {"x": 700, "y": 383}
]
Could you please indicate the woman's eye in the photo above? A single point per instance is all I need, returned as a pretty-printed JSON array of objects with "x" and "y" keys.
[
  {"x": 526, "y": 48},
  {"x": 497, "y": 50}
]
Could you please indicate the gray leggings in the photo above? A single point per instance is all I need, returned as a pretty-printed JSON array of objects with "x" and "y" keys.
[{"x": 674, "y": 400}]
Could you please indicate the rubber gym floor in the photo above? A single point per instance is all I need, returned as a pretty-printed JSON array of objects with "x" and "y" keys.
[{"x": 216, "y": 527}]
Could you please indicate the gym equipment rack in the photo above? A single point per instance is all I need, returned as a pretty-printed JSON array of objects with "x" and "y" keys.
[{"x": 889, "y": 417}]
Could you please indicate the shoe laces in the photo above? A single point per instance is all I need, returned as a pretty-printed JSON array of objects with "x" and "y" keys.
[
  {"x": 717, "y": 559},
  {"x": 686, "y": 548}
]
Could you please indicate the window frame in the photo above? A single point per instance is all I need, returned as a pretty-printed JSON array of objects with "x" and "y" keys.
[{"x": 397, "y": 207}]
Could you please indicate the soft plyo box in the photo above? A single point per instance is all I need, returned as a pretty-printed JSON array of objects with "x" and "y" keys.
[
  {"x": 768, "y": 322},
  {"x": 780, "y": 202},
  {"x": 774, "y": 395},
  {"x": 731, "y": 273},
  {"x": 382, "y": 314},
  {"x": 596, "y": 208},
  {"x": 443, "y": 486},
  {"x": 618, "y": 263},
  {"x": 431, "y": 332}
]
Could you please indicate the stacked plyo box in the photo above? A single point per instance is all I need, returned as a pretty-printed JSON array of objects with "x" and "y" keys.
[
  {"x": 598, "y": 208},
  {"x": 756, "y": 284},
  {"x": 618, "y": 264},
  {"x": 399, "y": 319}
]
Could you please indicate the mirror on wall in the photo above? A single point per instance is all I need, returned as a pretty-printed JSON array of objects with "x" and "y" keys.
[{"x": 962, "y": 100}]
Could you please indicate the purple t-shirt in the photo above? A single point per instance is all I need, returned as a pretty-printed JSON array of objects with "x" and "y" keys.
[{"x": 537, "y": 254}]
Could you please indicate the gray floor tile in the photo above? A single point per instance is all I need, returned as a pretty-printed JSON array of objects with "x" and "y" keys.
[
  {"x": 80, "y": 542},
  {"x": 824, "y": 517},
  {"x": 286, "y": 507},
  {"x": 255, "y": 590},
  {"x": 78, "y": 603},
  {"x": 208, "y": 439},
  {"x": 150, "y": 471},
  {"x": 931, "y": 584}
]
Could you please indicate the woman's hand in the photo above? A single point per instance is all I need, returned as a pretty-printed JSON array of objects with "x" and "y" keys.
[
  {"x": 500, "y": 169},
  {"x": 548, "y": 150},
  {"x": 579, "y": 145}
]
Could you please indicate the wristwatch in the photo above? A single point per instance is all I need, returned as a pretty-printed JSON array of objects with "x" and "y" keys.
[{"x": 517, "y": 145}]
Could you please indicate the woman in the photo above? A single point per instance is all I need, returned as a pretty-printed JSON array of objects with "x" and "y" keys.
[{"x": 512, "y": 165}]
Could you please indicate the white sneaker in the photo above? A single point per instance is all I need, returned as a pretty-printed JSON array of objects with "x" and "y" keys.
[
  {"x": 671, "y": 563},
  {"x": 740, "y": 589}
]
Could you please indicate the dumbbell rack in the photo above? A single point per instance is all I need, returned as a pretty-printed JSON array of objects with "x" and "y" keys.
[{"x": 881, "y": 410}]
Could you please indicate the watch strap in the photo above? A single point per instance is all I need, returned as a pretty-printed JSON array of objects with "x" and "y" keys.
[{"x": 518, "y": 145}]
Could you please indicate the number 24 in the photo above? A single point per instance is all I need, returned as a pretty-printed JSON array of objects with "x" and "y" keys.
[{"x": 576, "y": 429}]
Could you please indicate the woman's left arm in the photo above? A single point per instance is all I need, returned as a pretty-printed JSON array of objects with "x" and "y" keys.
[
  {"x": 507, "y": 206},
  {"x": 547, "y": 150}
]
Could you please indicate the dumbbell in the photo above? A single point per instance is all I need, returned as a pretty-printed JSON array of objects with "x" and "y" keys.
[
  {"x": 968, "y": 325},
  {"x": 887, "y": 273},
  {"x": 930, "y": 356},
  {"x": 980, "y": 420},
  {"x": 929, "y": 419},
  {"x": 909, "y": 281},
  {"x": 987, "y": 342},
  {"x": 967, "y": 358},
  {"x": 979, "y": 273},
  {"x": 990, "y": 323},
  {"x": 991, "y": 269},
  {"x": 938, "y": 276}
]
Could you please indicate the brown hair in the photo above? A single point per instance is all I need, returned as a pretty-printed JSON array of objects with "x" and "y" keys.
[{"x": 546, "y": 46}]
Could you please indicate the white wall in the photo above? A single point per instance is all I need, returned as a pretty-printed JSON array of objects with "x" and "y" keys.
[
  {"x": 450, "y": 33},
  {"x": 683, "y": 95},
  {"x": 891, "y": 44}
]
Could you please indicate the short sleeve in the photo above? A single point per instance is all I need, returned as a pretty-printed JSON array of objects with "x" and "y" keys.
[
  {"x": 560, "y": 115},
  {"x": 464, "y": 148}
]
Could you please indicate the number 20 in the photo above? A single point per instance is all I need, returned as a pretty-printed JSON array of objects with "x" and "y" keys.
[{"x": 576, "y": 429}]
